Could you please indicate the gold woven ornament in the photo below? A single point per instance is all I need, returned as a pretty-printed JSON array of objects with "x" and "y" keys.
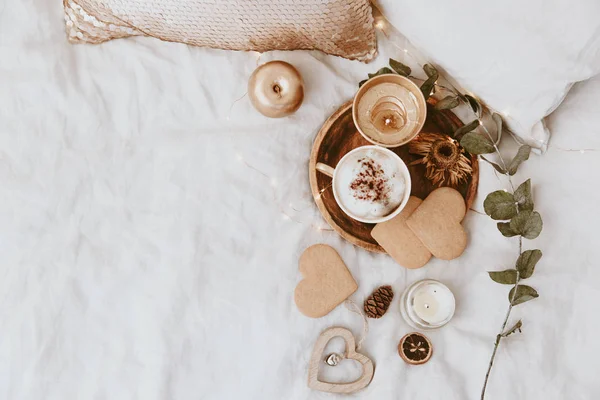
[
  {"x": 339, "y": 27},
  {"x": 443, "y": 157}
]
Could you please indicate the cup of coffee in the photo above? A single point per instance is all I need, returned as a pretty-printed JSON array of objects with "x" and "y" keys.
[
  {"x": 389, "y": 110},
  {"x": 370, "y": 183}
]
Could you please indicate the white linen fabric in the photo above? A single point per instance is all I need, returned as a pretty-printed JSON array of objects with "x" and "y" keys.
[
  {"x": 142, "y": 259},
  {"x": 520, "y": 57}
]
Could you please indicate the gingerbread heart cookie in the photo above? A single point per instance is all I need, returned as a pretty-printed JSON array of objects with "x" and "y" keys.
[
  {"x": 399, "y": 241},
  {"x": 437, "y": 223},
  {"x": 327, "y": 281}
]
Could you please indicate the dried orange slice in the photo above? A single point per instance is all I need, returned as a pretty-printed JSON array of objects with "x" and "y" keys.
[{"x": 415, "y": 348}]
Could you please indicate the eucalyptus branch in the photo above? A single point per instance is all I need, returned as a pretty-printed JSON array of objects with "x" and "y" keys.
[
  {"x": 501, "y": 335},
  {"x": 516, "y": 206}
]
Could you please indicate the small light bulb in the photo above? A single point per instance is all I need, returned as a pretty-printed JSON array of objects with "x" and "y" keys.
[
  {"x": 239, "y": 157},
  {"x": 273, "y": 182},
  {"x": 582, "y": 151},
  {"x": 379, "y": 24},
  {"x": 285, "y": 217}
]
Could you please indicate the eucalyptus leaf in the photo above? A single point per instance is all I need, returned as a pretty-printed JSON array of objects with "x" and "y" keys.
[
  {"x": 384, "y": 70},
  {"x": 428, "y": 85},
  {"x": 362, "y": 82},
  {"x": 506, "y": 230},
  {"x": 507, "y": 277},
  {"x": 498, "y": 120},
  {"x": 447, "y": 103},
  {"x": 527, "y": 261},
  {"x": 460, "y": 132},
  {"x": 430, "y": 70},
  {"x": 522, "y": 155},
  {"x": 516, "y": 327},
  {"x": 527, "y": 224},
  {"x": 496, "y": 166},
  {"x": 400, "y": 68},
  {"x": 477, "y": 144},
  {"x": 524, "y": 293},
  {"x": 523, "y": 196},
  {"x": 475, "y": 106},
  {"x": 500, "y": 205}
]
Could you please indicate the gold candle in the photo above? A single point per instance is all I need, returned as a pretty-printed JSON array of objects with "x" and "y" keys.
[{"x": 276, "y": 89}]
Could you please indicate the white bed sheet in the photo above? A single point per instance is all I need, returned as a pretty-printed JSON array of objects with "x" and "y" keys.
[{"x": 141, "y": 259}]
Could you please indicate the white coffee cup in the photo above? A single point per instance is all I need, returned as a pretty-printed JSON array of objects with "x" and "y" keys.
[{"x": 334, "y": 173}]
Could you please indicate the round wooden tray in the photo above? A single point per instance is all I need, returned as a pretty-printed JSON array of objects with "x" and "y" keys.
[{"x": 338, "y": 136}]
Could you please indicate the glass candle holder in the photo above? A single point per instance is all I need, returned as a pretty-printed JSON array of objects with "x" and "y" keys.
[
  {"x": 388, "y": 115},
  {"x": 427, "y": 304},
  {"x": 389, "y": 110}
]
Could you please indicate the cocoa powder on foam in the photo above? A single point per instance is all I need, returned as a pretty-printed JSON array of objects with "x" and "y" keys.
[{"x": 371, "y": 183}]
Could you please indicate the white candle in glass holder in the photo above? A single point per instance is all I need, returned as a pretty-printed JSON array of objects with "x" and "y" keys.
[{"x": 427, "y": 304}]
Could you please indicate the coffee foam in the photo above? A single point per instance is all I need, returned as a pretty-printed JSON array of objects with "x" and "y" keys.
[{"x": 370, "y": 184}]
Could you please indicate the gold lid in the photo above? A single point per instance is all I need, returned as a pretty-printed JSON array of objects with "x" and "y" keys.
[{"x": 389, "y": 110}]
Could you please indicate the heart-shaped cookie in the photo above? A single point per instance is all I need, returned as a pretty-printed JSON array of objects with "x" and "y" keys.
[
  {"x": 327, "y": 281},
  {"x": 436, "y": 222},
  {"x": 399, "y": 241},
  {"x": 351, "y": 354}
]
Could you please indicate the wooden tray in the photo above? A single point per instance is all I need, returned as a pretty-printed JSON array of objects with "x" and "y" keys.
[{"x": 338, "y": 136}]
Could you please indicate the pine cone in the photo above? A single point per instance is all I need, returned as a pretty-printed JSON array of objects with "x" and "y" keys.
[{"x": 378, "y": 302}]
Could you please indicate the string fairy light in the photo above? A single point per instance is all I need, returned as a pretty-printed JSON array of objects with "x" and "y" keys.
[
  {"x": 381, "y": 24},
  {"x": 580, "y": 151},
  {"x": 233, "y": 104},
  {"x": 273, "y": 184},
  {"x": 391, "y": 34},
  {"x": 258, "y": 56},
  {"x": 394, "y": 37},
  {"x": 273, "y": 181}
]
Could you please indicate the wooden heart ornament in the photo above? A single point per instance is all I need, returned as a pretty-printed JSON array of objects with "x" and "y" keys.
[
  {"x": 327, "y": 281},
  {"x": 351, "y": 354}
]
